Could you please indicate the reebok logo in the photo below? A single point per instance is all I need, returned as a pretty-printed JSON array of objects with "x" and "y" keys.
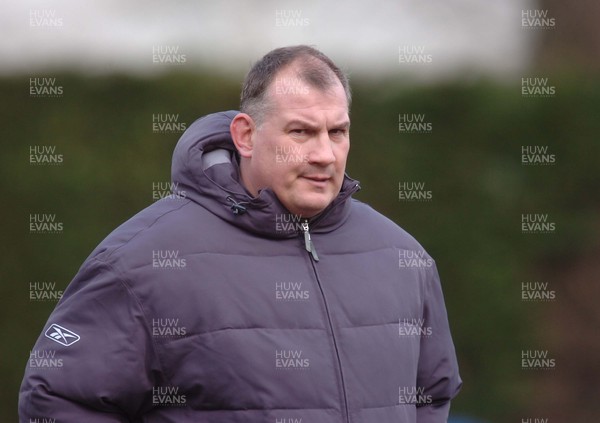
[{"x": 61, "y": 335}]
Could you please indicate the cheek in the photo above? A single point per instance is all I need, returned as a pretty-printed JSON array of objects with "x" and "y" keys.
[
  {"x": 264, "y": 157},
  {"x": 280, "y": 173},
  {"x": 341, "y": 155}
]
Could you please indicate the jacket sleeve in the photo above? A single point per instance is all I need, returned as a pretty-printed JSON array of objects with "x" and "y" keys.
[
  {"x": 437, "y": 374},
  {"x": 93, "y": 360}
]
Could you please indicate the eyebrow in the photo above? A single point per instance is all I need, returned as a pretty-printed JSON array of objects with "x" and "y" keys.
[
  {"x": 303, "y": 123},
  {"x": 343, "y": 124}
]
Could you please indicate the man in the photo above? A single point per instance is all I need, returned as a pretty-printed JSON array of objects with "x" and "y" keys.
[{"x": 260, "y": 291}]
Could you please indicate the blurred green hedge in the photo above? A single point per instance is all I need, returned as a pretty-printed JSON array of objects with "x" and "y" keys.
[{"x": 470, "y": 160}]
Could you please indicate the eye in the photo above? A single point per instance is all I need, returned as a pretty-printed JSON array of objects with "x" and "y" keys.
[
  {"x": 338, "y": 132},
  {"x": 299, "y": 132}
]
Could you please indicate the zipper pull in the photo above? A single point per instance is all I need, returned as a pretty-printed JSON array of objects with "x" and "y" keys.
[{"x": 308, "y": 244}]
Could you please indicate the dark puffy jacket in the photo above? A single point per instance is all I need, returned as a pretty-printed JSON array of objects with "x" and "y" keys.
[{"x": 208, "y": 307}]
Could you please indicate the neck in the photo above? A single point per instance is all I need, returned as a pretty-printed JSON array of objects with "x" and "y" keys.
[{"x": 245, "y": 180}]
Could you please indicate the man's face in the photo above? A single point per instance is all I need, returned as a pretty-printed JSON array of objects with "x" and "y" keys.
[{"x": 300, "y": 149}]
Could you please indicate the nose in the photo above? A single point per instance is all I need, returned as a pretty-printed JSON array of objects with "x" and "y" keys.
[{"x": 321, "y": 152}]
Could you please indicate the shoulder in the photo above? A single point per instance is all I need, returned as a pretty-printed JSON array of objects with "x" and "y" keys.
[
  {"x": 379, "y": 231},
  {"x": 168, "y": 224}
]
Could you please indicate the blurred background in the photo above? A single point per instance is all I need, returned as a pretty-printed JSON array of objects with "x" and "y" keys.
[{"x": 474, "y": 126}]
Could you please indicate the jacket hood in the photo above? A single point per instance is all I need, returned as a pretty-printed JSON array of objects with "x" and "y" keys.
[{"x": 205, "y": 169}]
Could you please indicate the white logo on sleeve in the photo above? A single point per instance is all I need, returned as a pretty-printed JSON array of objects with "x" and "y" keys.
[{"x": 61, "y": 335}]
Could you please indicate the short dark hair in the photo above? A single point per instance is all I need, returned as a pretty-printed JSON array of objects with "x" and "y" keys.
[{"x": 315, "y": 68}]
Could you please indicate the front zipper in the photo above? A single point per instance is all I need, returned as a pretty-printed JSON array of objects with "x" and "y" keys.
[
  {"x": 310, "y": 248},
  {"x": 308, "y": 244}
]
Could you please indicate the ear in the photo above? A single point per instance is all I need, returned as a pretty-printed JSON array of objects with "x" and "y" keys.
[{"x": 242, "y": 128}]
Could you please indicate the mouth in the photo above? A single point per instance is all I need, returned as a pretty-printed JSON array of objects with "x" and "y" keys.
[
  {"x": 317, "y": 180},
  {"x": 317, "y": 177}
]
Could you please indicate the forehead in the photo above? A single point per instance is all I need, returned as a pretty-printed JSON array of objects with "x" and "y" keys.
[{"x": 292, "y": 97}]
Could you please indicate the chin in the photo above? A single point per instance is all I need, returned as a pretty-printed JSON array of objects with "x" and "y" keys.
[{"x": 311, "y": 208}]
